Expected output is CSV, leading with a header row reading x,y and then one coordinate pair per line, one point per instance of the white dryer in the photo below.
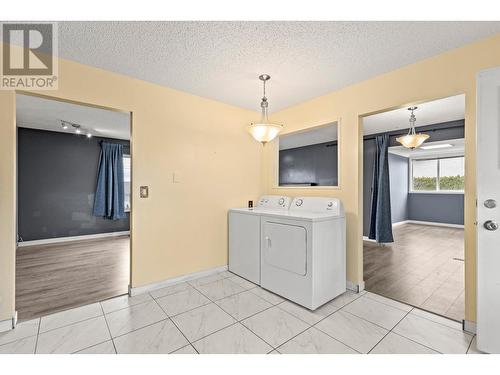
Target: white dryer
x,y
244,235
303,251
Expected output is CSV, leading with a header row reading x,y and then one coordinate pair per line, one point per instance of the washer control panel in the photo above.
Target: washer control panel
x,y
317,204
274,202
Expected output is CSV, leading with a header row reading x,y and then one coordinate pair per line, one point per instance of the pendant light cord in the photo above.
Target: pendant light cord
x,y
264,104
412,120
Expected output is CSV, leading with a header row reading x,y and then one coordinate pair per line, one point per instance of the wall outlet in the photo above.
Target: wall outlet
x,y
144,191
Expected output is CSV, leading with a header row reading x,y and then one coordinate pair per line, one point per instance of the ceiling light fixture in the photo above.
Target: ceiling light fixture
x,y
412,139
78,129
264,131
433,147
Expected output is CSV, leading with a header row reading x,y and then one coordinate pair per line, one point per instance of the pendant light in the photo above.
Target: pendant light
x,y
412,139
264,131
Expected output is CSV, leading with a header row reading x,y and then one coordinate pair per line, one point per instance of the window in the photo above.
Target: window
x,y
440,174
451,174
425,174
126,180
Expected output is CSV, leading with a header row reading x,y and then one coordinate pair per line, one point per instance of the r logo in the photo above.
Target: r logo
x,y
36,55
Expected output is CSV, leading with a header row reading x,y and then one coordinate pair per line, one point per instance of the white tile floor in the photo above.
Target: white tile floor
x,y
223,313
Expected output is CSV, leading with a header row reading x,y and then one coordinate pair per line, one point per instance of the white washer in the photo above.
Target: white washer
x,y
244,235
303,251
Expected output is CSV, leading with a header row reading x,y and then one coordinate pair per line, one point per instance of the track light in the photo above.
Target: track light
x,y
76,127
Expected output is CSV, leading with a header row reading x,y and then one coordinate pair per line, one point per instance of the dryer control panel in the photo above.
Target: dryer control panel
x,y
274,202
317,204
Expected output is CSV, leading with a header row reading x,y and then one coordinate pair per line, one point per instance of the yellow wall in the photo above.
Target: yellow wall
x,y
447,74
182,227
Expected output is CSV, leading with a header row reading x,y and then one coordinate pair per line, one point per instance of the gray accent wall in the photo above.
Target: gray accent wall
x,y
56,184
315,165
437,208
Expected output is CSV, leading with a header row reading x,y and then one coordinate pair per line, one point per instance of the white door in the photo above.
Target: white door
x,y
285,247
488,211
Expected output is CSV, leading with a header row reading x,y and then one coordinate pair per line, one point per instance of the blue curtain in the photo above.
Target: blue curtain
x,y
109,193
381,221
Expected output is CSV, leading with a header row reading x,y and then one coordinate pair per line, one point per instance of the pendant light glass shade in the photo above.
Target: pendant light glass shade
x,y
412,139
264,131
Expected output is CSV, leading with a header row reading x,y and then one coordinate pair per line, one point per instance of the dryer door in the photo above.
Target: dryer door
x,y
285,247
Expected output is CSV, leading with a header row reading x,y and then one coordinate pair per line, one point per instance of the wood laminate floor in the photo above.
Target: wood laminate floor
x,y
424,267
56,277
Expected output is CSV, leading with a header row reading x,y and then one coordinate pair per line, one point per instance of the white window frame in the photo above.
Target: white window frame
x,y
438,191
127,209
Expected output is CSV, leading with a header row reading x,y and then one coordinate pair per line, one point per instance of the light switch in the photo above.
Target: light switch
x,y
176,178
144,191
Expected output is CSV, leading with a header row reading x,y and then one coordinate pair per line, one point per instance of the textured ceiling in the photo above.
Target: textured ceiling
x,y
221,60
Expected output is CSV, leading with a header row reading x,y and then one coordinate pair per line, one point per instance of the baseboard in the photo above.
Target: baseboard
x,y
373,241
434,224
357,288
469,326
73,238
365,238
8,324
164,283
417,222
400,223
420,222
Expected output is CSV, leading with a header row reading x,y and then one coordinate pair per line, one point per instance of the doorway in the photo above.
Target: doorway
x,y
68,254
424,265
